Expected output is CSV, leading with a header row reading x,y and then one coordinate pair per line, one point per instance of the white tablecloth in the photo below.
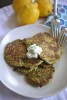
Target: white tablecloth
x,y
8,22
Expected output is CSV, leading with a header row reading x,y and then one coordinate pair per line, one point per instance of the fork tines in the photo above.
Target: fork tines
x,y
63,37
55,26
55,30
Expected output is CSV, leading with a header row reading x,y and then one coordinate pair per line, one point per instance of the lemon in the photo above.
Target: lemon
x,y
45,7
17,4
28,15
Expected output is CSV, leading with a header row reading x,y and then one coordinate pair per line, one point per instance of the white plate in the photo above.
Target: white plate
x,y
16,82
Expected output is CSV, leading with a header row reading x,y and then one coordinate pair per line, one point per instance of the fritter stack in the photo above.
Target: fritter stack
x,y
38,71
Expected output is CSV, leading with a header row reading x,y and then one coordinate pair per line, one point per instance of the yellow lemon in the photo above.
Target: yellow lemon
x,y
17,4
28,15
45,7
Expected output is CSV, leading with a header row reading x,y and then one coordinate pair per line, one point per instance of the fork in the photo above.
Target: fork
x,y
63,37
55,23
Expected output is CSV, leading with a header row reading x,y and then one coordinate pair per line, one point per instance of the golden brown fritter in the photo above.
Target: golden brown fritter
x,y
39,39
14,52
51,51
29,63
24,70
15,55
40,76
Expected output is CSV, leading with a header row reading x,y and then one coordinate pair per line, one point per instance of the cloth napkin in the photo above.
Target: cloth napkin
x,y
62,15
8,22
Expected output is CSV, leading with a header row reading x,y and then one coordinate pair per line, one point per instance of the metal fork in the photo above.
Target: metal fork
x,y
55,23
63,37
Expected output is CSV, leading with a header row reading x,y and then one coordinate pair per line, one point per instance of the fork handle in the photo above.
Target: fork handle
x,y
55,8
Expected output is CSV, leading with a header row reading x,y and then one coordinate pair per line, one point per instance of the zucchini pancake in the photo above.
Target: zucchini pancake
x,y
37,67
15,55
51,50
41,75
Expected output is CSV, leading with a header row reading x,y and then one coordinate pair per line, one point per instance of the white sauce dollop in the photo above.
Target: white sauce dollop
x,y
33,51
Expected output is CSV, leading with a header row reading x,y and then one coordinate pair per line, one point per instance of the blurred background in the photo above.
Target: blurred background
x,y
5,3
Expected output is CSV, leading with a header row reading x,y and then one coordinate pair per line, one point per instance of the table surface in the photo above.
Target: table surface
x,y
8,22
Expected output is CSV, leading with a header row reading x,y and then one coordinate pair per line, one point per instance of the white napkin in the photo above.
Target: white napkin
x,y
7,22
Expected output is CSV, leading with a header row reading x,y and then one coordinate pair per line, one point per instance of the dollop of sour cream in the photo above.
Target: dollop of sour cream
x,y
33,51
